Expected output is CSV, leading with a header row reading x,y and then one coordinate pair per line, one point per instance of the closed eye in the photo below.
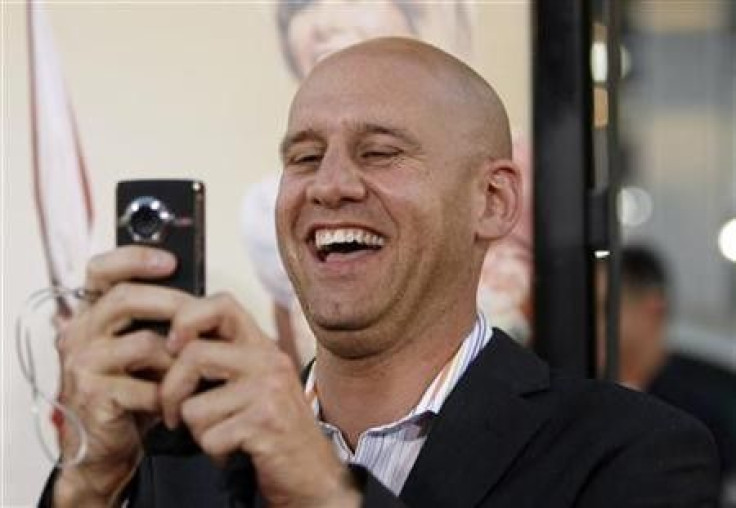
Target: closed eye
x,y
304,159
377,156
307,159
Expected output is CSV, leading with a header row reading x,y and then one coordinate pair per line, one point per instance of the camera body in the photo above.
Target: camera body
x,y
170,215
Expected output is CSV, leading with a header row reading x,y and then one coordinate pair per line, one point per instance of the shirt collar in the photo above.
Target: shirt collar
x,y
442,384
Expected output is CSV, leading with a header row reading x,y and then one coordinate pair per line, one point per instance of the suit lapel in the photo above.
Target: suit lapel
x,y
481,428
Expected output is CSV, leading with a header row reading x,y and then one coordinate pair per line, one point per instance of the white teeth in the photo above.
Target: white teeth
x,y
326,237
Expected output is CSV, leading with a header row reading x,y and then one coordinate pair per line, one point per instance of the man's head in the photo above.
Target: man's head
x,y
644,306
397,177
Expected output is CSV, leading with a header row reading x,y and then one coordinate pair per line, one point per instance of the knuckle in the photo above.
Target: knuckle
x,y
282,364
138,348
148,342
274,385
86,386
75,362
189,354
95,267
225,300
270,419
267,413
119,295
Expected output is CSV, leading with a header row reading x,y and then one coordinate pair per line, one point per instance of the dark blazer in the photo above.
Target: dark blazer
x,y
706,391
512,434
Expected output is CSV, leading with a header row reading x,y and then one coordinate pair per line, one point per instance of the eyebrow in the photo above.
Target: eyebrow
x,y
297,137
364,128
358,128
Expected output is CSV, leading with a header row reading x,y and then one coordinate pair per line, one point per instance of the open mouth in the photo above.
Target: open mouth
x,y
330,242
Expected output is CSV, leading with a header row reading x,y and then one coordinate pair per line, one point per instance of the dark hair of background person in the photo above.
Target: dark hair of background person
x,y
642,269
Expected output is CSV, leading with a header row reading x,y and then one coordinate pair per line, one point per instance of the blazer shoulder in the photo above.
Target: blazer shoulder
x,y
641,448
609,408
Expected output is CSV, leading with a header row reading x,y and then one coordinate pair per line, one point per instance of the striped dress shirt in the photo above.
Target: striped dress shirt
x,y
389,451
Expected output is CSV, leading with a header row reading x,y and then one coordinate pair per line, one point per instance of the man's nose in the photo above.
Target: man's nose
x,y
337,180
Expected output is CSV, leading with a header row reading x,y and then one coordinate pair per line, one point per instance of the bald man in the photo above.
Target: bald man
x,y
397,178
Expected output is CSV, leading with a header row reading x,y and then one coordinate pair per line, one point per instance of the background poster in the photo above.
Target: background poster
x,y
201,90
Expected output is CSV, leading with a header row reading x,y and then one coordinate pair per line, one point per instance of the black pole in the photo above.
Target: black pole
x,y
562,94
611,20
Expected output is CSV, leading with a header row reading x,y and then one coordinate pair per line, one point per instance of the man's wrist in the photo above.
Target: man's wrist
x,y
346,493
350,494
74,487
71,489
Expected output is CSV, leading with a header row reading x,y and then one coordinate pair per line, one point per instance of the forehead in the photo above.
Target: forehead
x,y
371,90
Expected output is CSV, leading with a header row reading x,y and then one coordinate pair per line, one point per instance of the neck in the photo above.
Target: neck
x,y
357,394
639,375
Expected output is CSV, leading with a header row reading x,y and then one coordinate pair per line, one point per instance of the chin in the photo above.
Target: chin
x,y
338,323
345,336
347,344
339,314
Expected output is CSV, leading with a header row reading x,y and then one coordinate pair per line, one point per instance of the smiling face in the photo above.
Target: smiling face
x,y
380,199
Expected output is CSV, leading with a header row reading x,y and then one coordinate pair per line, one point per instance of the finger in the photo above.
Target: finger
x,y
203,410
219,315
131,394
141,350
201,359
110,396
228,436
125,263
127,301
115,310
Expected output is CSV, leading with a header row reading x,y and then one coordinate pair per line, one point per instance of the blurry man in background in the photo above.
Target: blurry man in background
x,y
703,389
644,311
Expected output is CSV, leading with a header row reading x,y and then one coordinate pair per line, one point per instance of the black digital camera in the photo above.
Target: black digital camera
x,y
170,215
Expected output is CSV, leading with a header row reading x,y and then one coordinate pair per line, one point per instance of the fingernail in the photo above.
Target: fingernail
x,y
160,260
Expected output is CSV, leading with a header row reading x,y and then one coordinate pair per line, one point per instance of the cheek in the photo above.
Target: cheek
x,y
432,209
288,201
457,210
408,205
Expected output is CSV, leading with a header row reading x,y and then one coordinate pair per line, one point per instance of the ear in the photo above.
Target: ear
x,y
498,198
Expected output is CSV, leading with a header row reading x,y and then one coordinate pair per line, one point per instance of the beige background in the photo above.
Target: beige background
x,y
168,90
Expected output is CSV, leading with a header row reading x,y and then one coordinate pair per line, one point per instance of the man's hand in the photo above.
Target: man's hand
x,y
98,372
260,409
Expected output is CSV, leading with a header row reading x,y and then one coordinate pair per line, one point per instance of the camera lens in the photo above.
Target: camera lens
x,y
147,217
146,222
